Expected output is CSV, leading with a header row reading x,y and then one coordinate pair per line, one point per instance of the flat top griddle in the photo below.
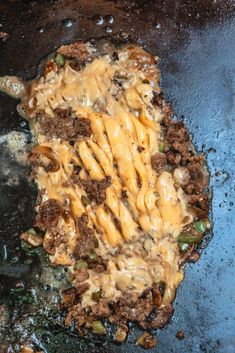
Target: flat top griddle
x,y
196,43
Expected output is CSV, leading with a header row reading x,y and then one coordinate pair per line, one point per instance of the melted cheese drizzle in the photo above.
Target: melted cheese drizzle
x,y
128,122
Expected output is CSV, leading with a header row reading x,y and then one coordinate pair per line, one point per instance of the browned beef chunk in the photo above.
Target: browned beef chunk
x,y
158,292
69,296
100,310
142,310
157,99
124,194
198,181
82,288
193,257
81,275
140,149
173,158
76,50
86,244
95,189
166,120
129,308
182,148
177,142
179,152
189,256
158,161
162,317
82,224
177,132
58,237
48,214
200,158
201,201
129,299
86,239
76,312
132,309
65,126
99,264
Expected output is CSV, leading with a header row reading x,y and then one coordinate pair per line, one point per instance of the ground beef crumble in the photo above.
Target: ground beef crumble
x,y
174,158
95,189
86,244
178,151
158,161
48,214
162,317
130,307
76,50
99,265
86,238
198,180
101,309
64,125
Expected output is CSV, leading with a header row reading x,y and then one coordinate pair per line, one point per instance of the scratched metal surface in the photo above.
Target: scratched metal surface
x,y
196,43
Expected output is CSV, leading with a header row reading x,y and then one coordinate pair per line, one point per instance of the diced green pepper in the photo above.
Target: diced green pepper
x,y
189,238
32,231
25,246
80,265
96,242
62,125
98,327
92,256
85,200
183,247
199,226
60,60
96,295
161,147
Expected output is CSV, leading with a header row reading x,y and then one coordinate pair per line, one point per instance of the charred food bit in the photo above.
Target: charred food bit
x,y
180,335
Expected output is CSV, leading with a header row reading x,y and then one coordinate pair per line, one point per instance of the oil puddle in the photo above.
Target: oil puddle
x,y
104,21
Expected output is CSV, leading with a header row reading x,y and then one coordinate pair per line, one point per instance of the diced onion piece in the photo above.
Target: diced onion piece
x,y
147,341
98,327
31,237
47,152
